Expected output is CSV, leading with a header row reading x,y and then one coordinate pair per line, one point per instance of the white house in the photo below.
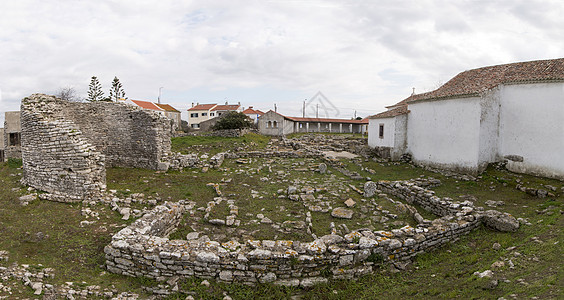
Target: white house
x,y
512,112
254,114
204,112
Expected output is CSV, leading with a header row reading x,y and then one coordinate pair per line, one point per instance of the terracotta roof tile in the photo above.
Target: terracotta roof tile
x,y
326,120
400,110
146,105
226,107
167,107
203,107
251,111
473,82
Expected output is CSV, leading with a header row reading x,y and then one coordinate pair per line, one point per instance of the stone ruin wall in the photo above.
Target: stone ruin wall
x,y
143,249
128,137
67,145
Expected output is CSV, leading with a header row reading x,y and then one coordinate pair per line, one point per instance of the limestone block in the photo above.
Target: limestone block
x,y
500,221
342,213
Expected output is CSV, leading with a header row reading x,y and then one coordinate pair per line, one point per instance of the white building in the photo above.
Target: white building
x,y
273,123
512,112
253,114
203,112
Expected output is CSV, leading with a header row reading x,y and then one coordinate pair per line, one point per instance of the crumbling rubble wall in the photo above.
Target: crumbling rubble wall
x,y
127,136
67,145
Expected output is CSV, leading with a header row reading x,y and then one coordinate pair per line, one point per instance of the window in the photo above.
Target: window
x,y
212,114
381,131
15,138
195,125
268,124
275,124
204,114
193,115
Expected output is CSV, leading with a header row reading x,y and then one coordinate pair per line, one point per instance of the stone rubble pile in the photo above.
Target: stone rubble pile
x,y
37,277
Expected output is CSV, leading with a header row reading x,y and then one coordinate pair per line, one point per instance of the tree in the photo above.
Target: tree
x,y
233,120
116,92
68,94
95,90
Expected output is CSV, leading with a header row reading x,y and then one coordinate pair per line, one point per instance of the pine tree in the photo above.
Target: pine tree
x,y
95,90
116,92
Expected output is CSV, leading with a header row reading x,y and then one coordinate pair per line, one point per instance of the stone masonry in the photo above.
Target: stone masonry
x,y
143,248
67,145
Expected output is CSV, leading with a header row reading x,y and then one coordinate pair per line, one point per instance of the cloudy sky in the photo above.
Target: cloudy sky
x,y
362,55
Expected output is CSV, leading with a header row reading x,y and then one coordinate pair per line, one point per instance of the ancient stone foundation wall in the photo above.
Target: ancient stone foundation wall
x,y
425,198
67,145
142,250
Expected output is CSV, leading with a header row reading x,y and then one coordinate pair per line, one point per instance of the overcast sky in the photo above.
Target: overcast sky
x,y
362,55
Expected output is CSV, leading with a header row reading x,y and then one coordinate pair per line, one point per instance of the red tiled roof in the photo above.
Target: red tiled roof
x,y
226,107
473,82
146,105
322,120
413,97
400,110
167,107
251,111
203,107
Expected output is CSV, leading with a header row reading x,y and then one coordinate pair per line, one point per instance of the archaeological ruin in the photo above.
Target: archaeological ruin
x,y
66,146
145,249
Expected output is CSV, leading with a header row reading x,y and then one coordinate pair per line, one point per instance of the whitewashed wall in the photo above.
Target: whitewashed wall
x,y
445,133
532,126
489,128
374,139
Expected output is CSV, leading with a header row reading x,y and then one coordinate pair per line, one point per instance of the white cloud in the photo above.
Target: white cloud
x,y
361,54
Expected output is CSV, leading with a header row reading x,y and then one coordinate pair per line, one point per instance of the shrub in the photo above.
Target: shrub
x,y
233,120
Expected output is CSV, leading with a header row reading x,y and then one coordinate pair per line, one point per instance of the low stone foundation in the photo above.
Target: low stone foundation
x,y
143,249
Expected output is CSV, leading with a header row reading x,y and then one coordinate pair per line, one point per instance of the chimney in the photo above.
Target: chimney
x,y
197,103
239,103
192,104
226,102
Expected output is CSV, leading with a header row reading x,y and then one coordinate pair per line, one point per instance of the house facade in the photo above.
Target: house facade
x,y
253,114
12,135
203,112
511,112
387,132
273,123
171,113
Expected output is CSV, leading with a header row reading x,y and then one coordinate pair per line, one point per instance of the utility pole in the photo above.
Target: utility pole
x,y
160,94
355,113
275,108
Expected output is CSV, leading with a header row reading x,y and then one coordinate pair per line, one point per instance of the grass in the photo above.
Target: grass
x,y
212,144
76,253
